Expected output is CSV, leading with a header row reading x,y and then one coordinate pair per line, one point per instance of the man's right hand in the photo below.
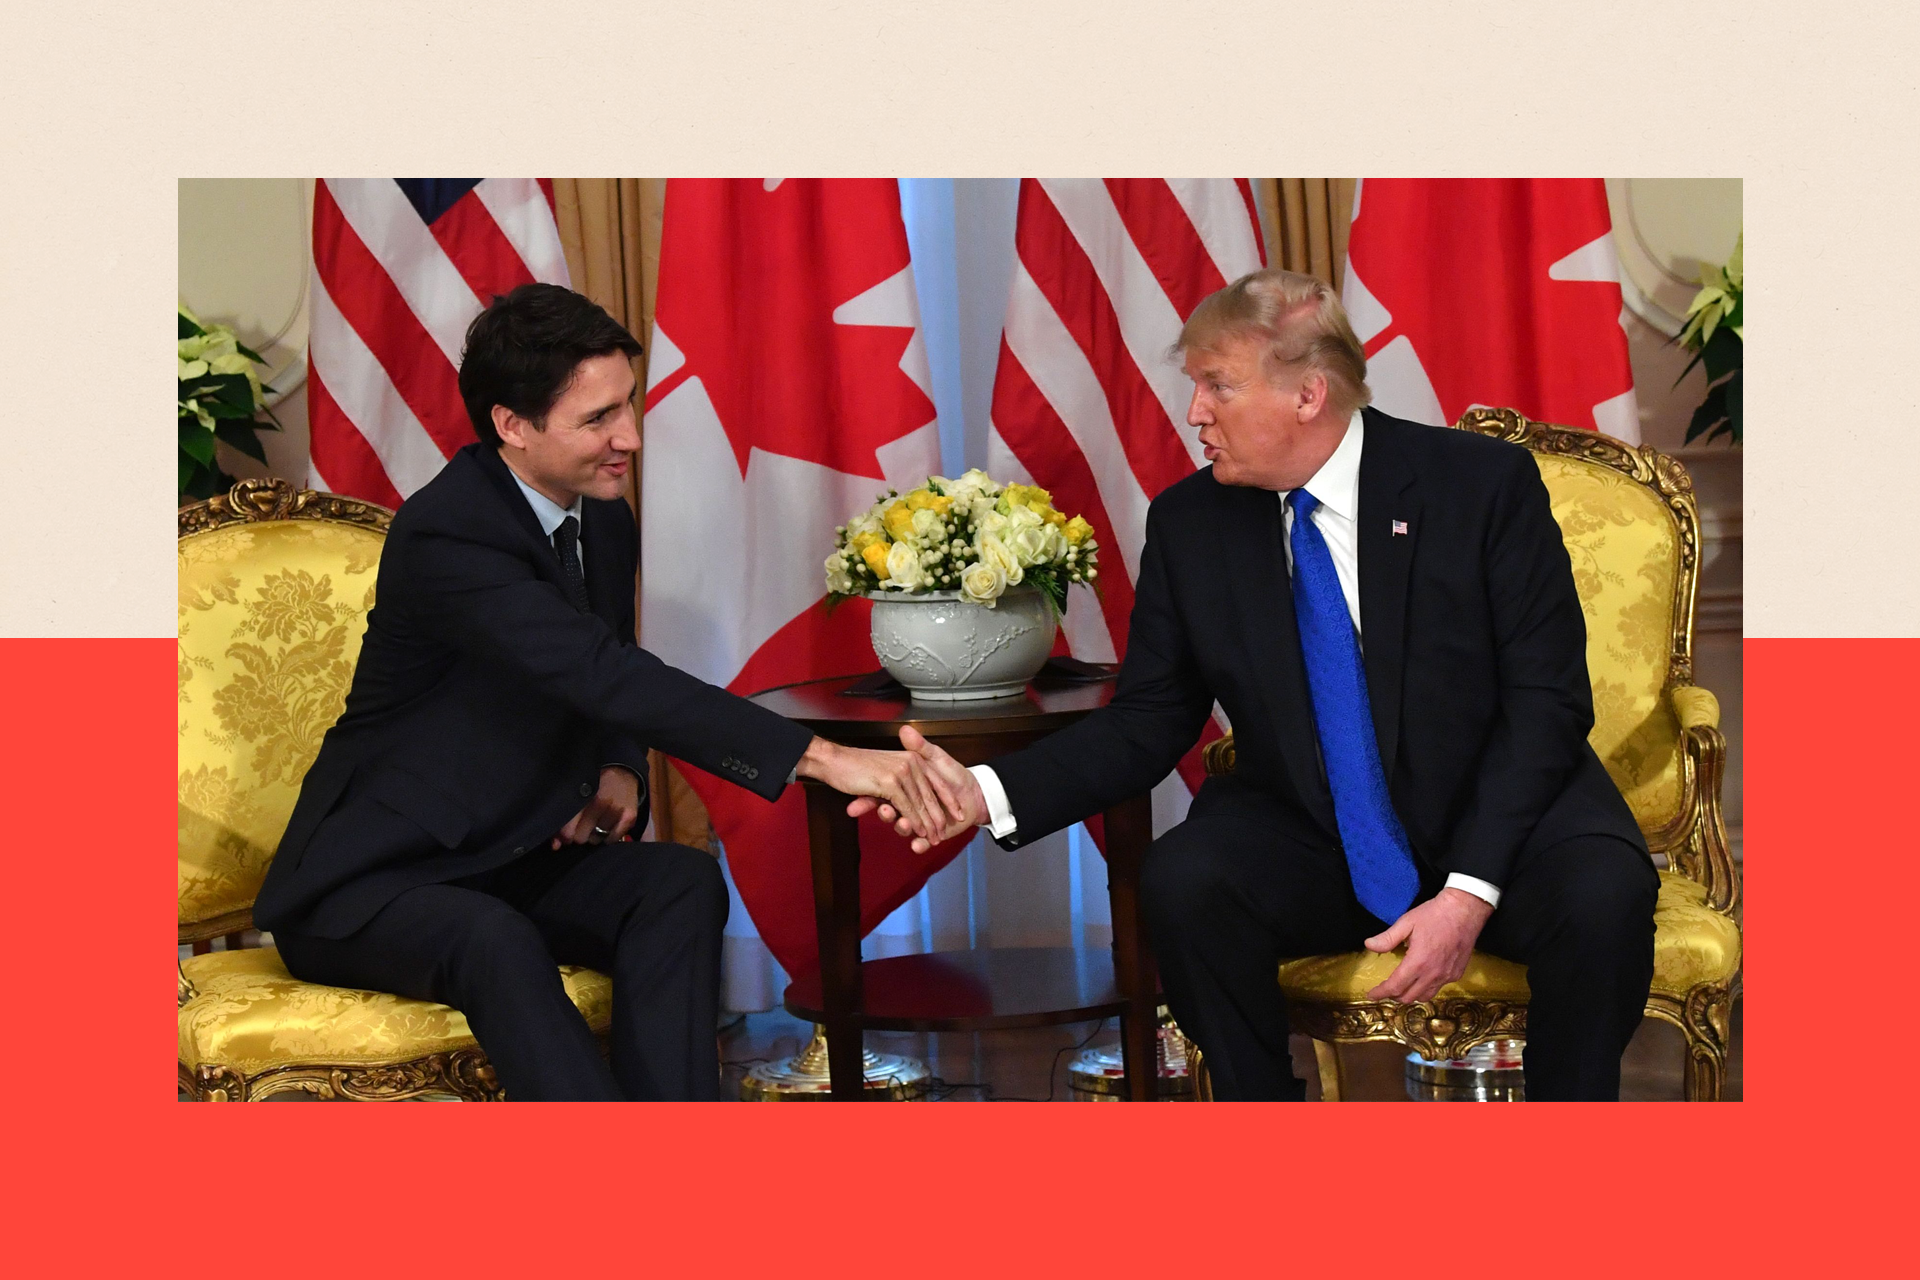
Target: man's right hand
x,y
900,783
964,807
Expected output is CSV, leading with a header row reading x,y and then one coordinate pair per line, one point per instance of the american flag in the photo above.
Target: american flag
x,y
1087,402
400,268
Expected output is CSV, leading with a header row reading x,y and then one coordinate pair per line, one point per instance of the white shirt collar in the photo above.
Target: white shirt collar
x,y
545,510
1337,483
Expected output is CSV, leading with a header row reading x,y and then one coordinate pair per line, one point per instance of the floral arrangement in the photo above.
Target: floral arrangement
x,y
1715,334
971,536
220,396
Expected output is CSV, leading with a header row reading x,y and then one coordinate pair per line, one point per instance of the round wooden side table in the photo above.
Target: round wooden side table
x,y
980,989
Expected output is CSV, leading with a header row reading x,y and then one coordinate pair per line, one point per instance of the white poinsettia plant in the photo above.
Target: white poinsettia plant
x,y
221,398
971,536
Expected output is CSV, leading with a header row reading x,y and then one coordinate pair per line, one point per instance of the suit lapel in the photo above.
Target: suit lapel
x,y
1388,500
1273,636
495,469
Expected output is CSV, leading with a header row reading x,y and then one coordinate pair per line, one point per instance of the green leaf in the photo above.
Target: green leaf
x,y
187,467
1722,354
238,435
1713,322
1733,404
234,389
196,442
1736,264
1737,316
188,329
248,352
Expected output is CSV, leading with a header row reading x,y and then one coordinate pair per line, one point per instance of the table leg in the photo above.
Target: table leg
x,y
1129,830
833,840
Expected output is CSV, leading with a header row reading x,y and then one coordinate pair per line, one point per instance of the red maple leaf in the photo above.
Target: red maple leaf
x,y
749,280
1462,266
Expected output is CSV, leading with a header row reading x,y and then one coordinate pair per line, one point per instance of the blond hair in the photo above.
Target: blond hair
x,y
1302,321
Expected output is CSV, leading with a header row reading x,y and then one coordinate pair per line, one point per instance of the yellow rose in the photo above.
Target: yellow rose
x,y
875,554
1077,530
928,500
859,542
1055,518
899,520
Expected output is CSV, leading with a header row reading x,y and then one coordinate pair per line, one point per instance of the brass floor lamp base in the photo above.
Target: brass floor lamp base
x,y
803,1077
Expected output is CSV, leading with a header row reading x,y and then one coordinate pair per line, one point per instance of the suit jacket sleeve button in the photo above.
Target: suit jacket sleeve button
x,y
586,788
752,774
520,851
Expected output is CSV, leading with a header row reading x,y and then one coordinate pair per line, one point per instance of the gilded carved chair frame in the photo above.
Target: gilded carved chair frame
x,y
1694,842
463,1073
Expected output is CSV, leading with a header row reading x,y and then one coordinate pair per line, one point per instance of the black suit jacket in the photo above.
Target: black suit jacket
x,y
484,704
1473,640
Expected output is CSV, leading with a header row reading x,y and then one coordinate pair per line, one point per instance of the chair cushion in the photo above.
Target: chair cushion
x,y
271,616
1692,944
251,1014
1625,549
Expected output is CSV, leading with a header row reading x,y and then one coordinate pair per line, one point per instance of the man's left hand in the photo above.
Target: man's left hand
x,y
611,813
1439,934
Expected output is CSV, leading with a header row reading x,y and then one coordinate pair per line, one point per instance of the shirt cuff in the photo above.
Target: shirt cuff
x,y
999,812
1480,889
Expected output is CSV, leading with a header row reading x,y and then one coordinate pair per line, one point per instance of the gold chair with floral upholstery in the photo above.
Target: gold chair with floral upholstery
x,y
275,585
1632,529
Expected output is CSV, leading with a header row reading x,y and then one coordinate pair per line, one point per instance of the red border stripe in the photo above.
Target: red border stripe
x,y
373,305
1065,275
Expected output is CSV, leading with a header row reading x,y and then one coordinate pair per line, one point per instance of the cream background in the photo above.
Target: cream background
x,y
104,117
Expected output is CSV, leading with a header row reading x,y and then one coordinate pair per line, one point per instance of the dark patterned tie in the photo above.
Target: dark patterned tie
x,y
1379,858
566,540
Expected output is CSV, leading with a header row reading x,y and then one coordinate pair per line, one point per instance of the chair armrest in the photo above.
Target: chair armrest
x,y
1706,857
1696,707
187,990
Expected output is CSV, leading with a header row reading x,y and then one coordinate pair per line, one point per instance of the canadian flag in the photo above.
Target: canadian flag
x,y
1501,292
787,386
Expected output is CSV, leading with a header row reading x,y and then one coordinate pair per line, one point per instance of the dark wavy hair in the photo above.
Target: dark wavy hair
x,y
522,350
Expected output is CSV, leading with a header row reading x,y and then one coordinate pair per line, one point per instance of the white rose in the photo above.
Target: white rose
x,y
982,584
1028,544
928,525
990,524
868,523
1024,518
903,568
839,580
997,554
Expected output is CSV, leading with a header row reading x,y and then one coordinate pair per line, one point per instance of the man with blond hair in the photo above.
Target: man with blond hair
x,y
1387,615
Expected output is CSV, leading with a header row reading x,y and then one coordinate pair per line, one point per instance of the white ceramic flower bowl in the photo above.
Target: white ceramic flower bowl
x,y
944,649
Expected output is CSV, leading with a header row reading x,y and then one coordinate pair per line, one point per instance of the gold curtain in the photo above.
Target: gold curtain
x,y
610,231
1306,222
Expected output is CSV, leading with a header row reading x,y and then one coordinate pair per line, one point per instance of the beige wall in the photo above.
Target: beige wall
x,y
243,262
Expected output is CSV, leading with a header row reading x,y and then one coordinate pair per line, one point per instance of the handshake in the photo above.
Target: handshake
x,y
924,792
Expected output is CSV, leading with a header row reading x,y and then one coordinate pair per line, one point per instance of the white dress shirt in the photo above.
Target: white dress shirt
x,y
1337,487
550,514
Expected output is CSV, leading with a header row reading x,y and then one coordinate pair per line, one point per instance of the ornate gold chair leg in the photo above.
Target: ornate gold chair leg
x,y
1707,1022
1326,1056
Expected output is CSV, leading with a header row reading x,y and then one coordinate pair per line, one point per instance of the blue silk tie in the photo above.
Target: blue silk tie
x,y
1379,858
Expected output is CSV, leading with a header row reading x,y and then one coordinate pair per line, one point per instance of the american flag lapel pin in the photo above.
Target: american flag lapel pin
x,y
1399,527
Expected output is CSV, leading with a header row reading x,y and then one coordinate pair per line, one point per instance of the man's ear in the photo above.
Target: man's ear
x,y
1311,399
510,426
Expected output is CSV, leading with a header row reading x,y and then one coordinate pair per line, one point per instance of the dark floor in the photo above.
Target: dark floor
x,y
1033,1065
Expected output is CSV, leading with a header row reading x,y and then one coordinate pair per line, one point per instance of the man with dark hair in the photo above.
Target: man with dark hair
x,y
1387,614
465,827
